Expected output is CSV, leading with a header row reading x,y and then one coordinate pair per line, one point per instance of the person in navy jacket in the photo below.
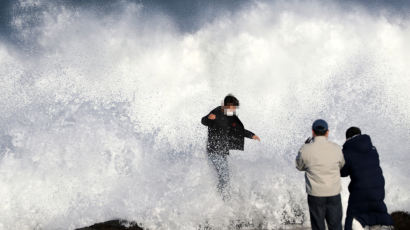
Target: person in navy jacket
x,y
366,205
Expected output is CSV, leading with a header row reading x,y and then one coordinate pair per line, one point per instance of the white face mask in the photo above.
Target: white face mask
x,y
229,112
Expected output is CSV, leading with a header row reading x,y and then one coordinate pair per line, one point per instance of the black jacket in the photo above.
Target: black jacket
x,y
225,132
366,188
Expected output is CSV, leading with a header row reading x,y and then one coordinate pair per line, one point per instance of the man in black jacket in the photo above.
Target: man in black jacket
x,y
225,132
366,206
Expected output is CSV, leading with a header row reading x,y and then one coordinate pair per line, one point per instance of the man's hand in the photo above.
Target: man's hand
x,y
211,116
256,138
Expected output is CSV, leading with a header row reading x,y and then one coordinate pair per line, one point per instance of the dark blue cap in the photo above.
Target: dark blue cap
x,y
320,125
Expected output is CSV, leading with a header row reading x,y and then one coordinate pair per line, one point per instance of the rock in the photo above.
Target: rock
x,y
114,225
401,220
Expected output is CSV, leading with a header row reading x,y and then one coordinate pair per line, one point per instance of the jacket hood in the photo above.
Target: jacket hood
x,y
360,143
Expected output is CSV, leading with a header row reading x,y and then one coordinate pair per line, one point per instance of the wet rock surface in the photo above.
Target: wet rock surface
x,y
113,225
401,222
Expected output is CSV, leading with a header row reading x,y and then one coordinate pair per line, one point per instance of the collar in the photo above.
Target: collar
x,y
353,137
320,138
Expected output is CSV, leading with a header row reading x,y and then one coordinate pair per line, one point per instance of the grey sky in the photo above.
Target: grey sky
x,y
189,15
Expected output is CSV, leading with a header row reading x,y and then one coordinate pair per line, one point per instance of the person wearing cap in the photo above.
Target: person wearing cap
x,y
366,205
322,160
225,132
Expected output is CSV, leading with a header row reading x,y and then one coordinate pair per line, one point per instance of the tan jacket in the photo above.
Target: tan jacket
x,y
322,161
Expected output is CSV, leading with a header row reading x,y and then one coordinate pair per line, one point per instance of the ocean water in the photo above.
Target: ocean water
x,y
100,111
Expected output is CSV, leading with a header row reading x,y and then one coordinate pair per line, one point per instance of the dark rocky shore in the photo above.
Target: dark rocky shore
x,y
114,225
401,222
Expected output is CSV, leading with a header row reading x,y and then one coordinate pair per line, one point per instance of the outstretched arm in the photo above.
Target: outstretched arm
x,y
208,120
251,135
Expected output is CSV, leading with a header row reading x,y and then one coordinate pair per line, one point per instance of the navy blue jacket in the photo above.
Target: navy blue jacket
x,y
366,188
225,132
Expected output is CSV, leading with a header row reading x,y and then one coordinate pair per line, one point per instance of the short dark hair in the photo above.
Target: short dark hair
x,y
231,100
321,131
352,131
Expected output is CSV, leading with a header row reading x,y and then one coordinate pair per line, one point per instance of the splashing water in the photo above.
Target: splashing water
x,y
100,113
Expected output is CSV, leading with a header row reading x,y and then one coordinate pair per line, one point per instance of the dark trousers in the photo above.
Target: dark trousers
x,y
219,161
325,208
